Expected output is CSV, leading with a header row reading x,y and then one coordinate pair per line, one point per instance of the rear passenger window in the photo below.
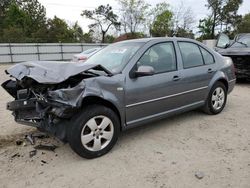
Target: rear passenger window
x,y
208,58
191,54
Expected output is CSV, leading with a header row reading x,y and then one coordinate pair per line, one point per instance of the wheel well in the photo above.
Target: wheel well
x,y
97,100
224,82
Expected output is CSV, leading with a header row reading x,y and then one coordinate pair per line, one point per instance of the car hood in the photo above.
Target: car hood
x,y
50,72
234,51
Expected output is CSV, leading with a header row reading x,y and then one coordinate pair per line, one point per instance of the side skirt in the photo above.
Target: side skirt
x,y
163,115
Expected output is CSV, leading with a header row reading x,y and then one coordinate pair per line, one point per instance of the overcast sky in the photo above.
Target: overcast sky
x,y
70,10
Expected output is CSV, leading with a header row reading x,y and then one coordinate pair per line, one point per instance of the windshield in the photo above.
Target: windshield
x,y
242,42
115,56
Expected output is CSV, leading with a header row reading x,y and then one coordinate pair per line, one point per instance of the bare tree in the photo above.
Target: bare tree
x,y
133,14
183,18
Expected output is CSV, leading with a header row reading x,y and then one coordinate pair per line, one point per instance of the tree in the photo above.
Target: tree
x,y
244,26
205,28
223,12
183,21
14,24
88,37
162,25
103,18
28,16
156,14
77,32
59,31
229,18
133,15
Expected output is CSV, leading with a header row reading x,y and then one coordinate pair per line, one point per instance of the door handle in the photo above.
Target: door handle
x,y
210,70
176,78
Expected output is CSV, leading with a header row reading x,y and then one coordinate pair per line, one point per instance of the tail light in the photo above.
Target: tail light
x,y
82,58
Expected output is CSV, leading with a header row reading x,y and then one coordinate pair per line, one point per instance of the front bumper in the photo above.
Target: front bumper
x,y
51,117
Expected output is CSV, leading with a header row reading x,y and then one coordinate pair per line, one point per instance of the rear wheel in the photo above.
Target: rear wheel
x,y
217,99
94,132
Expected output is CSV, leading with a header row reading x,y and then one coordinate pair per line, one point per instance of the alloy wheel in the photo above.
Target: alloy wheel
x,y
97,133
218,98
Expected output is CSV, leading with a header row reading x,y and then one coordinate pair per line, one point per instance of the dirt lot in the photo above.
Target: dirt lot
x,y
163,154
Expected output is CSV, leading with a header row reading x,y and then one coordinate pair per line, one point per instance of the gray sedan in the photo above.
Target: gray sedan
x,y
124,85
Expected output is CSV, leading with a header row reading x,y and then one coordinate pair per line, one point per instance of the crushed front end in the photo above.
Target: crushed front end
x,y
242,66
47,107
47,95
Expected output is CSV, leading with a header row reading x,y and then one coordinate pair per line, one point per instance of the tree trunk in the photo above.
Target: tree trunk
x,y
213,27
103,36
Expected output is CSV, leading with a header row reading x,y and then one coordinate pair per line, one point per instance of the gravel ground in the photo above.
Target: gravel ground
x,y
163,154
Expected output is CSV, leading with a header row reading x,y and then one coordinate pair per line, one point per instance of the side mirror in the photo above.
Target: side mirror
x,y
223,41
144,71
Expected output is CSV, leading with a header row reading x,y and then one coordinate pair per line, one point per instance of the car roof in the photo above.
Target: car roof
x,y
157,39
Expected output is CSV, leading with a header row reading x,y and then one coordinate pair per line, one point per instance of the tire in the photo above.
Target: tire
x,y
213,99
94,131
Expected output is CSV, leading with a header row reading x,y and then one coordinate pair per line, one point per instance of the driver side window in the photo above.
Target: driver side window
x,y
161,57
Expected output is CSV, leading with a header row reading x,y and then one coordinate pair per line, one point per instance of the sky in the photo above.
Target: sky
x,y
70,10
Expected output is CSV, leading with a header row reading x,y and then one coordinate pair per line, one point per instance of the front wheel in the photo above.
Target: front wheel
x,y
94,132
217,99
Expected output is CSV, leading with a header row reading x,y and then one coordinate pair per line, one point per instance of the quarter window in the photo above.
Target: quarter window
x,y
161,57
191,54
208,58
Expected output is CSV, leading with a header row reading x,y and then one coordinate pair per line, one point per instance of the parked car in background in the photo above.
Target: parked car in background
x,y
82,57
238,50
126,84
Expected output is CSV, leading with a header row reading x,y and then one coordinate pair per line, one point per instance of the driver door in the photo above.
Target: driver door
x,y
149,97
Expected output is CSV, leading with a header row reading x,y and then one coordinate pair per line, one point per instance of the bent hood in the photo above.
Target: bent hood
x,y
50,72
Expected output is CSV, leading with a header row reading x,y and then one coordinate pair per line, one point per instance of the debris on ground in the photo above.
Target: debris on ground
x,y
49,147
40,135
43,162
199,175
19,142
33,153
30,139
15,155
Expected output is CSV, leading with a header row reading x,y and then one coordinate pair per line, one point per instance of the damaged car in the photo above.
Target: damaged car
x,y
126,84
238,50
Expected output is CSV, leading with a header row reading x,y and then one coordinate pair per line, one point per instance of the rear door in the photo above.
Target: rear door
x,y
198,69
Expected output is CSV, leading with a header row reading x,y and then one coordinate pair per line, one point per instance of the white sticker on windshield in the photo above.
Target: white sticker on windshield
x,y
118,51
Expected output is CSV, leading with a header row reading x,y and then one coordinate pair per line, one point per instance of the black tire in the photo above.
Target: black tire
x,y
78,123
208,108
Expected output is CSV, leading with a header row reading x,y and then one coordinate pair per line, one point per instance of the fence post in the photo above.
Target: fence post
x,y
61,51
38,52
11,55
82,47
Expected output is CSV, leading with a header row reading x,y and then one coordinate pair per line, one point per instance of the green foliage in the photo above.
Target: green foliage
x,y
58,31
162,24
104,18
27,17
244,25
224,14
205,28
25,21
181,32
